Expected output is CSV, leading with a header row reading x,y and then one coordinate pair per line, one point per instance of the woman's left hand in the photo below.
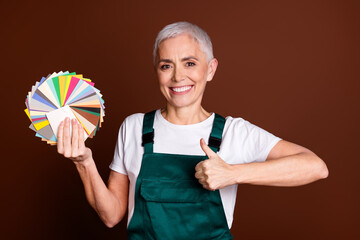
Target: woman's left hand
x,y
213,173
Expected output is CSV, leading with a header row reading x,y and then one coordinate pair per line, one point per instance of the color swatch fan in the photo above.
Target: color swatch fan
x,y
61,95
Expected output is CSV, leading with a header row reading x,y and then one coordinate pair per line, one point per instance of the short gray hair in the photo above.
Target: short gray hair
x,y
174,29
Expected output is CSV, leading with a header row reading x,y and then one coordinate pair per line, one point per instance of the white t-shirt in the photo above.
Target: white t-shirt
x,y
242,142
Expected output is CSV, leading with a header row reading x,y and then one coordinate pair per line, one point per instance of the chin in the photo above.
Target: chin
x,y
180,104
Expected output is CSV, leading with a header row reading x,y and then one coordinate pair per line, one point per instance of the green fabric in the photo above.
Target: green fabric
x,y
217,129
148,128
170,203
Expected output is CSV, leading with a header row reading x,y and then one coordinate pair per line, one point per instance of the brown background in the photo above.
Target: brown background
x,y
290,67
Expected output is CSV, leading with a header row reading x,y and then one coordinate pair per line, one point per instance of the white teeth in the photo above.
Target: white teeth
x,y
181,89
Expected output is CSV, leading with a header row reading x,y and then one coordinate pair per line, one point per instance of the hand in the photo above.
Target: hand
x,y
72,147
213,173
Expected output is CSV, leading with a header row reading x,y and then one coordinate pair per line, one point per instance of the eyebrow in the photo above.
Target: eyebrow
x,y
183,59
188,58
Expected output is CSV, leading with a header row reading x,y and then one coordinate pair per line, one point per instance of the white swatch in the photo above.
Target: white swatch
x,y
55,117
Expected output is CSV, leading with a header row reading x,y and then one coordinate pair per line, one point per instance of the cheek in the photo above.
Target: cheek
x,y
198,76
161,81
163,78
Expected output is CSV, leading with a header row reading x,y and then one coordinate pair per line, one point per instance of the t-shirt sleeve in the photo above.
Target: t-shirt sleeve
x,y
259,142
118,164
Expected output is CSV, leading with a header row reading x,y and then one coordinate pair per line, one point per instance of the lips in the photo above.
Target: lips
x,y
181,90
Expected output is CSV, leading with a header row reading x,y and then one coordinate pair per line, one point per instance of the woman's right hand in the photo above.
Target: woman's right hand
x,y
109,202
73,147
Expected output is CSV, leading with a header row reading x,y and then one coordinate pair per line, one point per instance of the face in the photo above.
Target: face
x,y
183,71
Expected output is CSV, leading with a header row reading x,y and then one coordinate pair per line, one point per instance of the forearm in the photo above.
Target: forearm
x,y
98,195
293,170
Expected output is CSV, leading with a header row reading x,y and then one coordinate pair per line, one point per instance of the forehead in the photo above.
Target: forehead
x,y
180,46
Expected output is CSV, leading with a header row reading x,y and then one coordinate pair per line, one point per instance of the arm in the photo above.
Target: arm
x,y
288,164
109,202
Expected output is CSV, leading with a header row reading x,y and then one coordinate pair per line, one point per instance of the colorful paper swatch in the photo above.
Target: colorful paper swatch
x,y
61,95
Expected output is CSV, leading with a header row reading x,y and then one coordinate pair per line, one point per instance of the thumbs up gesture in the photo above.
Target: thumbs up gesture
x,y
213,173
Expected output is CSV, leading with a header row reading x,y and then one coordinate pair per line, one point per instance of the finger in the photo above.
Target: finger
x,y
67,143
81,136
74,139
60,144
205,185
198,166
207,150
202,181
199,175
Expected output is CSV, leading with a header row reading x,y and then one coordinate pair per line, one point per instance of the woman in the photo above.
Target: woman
x,y
176,169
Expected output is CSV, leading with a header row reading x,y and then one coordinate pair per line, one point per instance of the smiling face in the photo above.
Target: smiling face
x,y
183,71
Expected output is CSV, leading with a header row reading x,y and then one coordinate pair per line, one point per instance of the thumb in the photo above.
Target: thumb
x,y
210,153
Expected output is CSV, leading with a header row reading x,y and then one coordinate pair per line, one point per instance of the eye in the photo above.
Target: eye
x,y
190,64
165,66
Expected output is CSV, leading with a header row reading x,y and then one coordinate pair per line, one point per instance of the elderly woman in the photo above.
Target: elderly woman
x,y
176,169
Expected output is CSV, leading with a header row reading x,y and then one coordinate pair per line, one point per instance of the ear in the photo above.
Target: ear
x,y
212,69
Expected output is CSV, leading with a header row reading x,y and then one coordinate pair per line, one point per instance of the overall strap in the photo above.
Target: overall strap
x,y
216,133
148,132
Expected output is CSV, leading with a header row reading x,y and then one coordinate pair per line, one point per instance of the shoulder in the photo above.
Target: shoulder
x,y
134,119
131,124
238,124
239,127
253,142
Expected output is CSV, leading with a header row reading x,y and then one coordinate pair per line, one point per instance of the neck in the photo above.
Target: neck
x,y
184,115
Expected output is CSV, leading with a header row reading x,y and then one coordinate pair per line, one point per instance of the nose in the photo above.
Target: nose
x,y
179,74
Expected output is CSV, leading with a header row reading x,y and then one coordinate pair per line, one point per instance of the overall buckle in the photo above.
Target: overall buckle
x,y
214,142
148,138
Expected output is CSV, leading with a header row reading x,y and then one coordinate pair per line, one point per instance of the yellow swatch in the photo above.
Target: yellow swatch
x,y
67,84
28,114
62,88
40,125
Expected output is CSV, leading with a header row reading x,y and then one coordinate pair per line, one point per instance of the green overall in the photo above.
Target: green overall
x,y
170,203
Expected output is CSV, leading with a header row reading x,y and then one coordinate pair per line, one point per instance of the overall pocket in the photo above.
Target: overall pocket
x,y
180,209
